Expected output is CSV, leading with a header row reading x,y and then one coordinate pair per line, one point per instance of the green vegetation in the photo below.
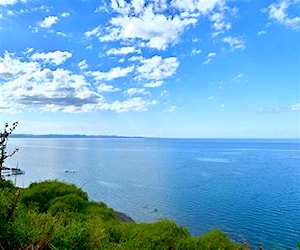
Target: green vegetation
x,y
56,215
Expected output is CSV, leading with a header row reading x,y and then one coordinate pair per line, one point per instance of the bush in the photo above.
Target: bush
x,y
6,184
41,195
29,229
55,215
67,203
160,235
74,235
214,240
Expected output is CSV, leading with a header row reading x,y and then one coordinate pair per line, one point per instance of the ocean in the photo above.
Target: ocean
x,y
248,188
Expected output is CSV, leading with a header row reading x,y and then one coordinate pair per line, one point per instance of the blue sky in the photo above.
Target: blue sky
x,y
165,68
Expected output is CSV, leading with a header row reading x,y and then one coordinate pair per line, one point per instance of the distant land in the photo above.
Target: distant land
x,y
66,136
69,136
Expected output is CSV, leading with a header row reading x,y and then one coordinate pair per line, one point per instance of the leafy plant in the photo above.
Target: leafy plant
x,y
56,215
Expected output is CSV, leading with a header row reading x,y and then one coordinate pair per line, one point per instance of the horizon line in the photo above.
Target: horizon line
x,y
54,135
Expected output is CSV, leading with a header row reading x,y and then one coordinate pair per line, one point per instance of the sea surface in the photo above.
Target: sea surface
x,y
250,189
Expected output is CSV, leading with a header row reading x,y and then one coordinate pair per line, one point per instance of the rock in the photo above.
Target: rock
x,y
123,217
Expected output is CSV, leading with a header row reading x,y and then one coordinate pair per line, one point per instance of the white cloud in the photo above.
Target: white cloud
x,y
57,57
123,51
261,32
134,104
114,73
157,68
136,91
295,107
219,23
277,110
10,2
170,109
209,57
279,12
235,43
29,85
160,31
202,6
48,22
154,84
238,78
195,51
93,32
163,28
83,65
135,58
28,51
61,34
11,68
65,14
164,93
106,88
138,6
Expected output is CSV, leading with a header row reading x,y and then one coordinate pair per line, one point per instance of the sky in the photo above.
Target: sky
x,y
159,68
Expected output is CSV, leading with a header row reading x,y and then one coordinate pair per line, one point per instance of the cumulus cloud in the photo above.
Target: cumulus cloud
x,y
83,65
48,22
65,14
123,51
135,104
113,73
195,51
279,12
153,84
51,90
219,23
10,2
93,32
56,57
30,84
162,29
106,88
136,91
11,68
235,43
202,6
157,68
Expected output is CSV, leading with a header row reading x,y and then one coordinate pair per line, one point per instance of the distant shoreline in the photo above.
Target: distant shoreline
x,y
64,136
70,136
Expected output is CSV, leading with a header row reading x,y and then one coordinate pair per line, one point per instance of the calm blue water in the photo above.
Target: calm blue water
x,y
250,189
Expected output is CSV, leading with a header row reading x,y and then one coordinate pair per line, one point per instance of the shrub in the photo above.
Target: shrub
x,y
67,203
160,235
40,195
29,229
55,215
74,235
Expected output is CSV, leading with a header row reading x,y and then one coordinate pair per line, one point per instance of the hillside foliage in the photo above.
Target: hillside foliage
x,y
56,215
